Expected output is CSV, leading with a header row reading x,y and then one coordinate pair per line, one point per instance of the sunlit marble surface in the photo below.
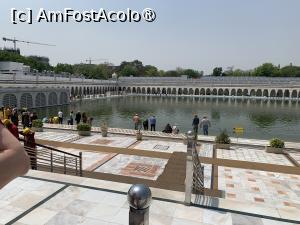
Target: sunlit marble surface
x,y
253,155
135,166
57,136
21,194
111,140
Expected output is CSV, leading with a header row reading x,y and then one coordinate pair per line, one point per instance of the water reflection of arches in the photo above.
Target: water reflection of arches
x,y
263,120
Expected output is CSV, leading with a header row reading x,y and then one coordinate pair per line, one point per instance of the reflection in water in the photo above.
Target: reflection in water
x,y
263,120
260,118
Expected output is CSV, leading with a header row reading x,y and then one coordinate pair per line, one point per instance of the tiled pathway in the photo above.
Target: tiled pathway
x,y
259,187
21,194
253,155
57,136
91,206
111,140
134,166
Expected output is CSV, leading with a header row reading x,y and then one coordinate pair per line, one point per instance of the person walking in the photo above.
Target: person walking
x,y
60,117
152,122
78,117
136,121
71,118
146,124
195,124
205,123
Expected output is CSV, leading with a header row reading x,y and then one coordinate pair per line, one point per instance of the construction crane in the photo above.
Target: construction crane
x,y
93,60
27,42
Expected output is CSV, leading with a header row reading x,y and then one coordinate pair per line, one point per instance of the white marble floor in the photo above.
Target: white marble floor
x,y
135,166
21,194
270,189
76,205
253,155
111,141
57,136
161,146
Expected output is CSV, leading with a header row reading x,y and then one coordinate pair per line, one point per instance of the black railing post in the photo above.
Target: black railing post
x,y
80,164
76,166
65,165
51,161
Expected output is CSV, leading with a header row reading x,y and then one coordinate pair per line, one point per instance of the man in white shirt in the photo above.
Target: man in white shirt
x,y
60,117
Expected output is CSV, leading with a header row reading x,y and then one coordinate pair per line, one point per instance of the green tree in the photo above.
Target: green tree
x,y
217,71
266,70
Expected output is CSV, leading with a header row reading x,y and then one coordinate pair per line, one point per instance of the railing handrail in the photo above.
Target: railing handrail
x,y
52,149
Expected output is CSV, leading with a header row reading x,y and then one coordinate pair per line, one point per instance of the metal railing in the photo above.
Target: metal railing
x,y
194,180
47,158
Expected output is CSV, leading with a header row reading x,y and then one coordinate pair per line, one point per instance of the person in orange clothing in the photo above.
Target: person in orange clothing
x,y
11,127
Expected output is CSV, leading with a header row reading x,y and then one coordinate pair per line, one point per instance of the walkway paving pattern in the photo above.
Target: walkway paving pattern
x,y
276,194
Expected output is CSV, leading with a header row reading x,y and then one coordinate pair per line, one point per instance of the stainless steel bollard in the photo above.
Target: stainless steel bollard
x,y
139,198
189,168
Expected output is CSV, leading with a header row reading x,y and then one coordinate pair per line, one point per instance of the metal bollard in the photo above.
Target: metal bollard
x,y
189,168
139,198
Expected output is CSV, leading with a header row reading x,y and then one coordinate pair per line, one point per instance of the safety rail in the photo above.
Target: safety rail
x,y
194,178
47,158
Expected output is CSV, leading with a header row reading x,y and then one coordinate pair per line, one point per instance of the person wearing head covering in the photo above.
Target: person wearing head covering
x,y
168,129
13,129
195,124
30,146
15,117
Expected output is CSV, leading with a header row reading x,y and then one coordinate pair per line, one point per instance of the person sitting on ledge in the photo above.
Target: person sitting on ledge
x,y
14,161
168,129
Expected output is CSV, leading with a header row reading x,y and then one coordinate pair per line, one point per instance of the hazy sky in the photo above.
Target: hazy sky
x,y
199,34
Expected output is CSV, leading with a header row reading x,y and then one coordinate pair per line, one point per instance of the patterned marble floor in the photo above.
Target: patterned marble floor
x,y
111,141
77,205
135,166
57,136
21,194
259,187
253,155
161,146
90,160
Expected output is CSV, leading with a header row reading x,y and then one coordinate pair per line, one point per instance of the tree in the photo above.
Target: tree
x,y
150,71
217,71
266,70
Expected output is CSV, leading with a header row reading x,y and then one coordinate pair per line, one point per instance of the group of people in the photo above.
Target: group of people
x,y
204,124
138,122
79,118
